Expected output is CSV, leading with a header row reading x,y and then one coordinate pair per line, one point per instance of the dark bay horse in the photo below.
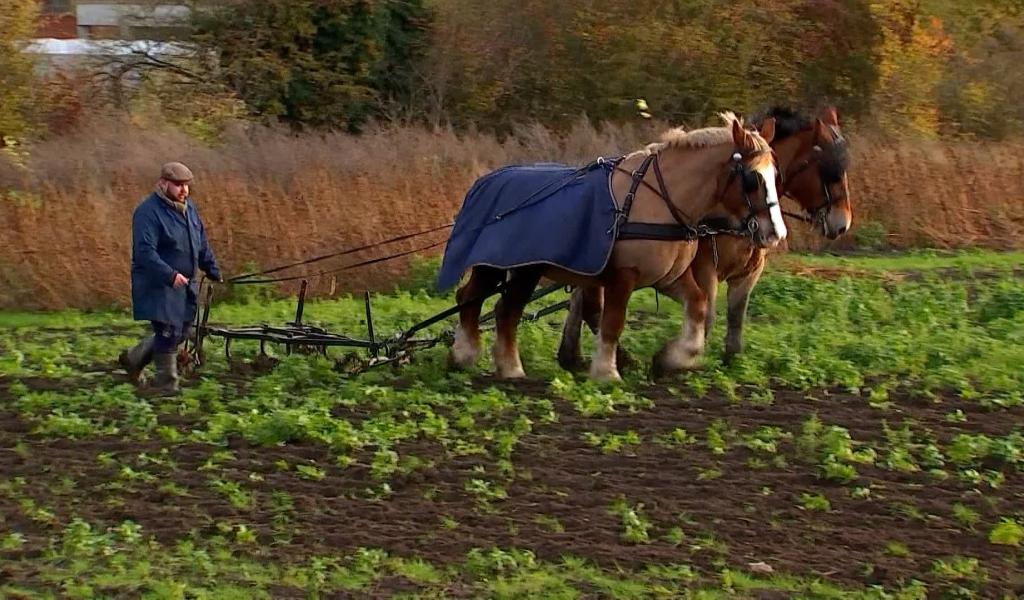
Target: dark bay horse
x,y
697,179
813,159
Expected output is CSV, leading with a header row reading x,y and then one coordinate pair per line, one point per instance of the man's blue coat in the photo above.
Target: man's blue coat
x,y
165,242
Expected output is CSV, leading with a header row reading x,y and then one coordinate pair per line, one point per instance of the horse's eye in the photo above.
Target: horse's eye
x,y
750,181
830,173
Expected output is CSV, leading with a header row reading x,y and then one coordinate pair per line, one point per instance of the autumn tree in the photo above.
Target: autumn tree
x,y
980,90
319,63
506,61
17,22
911,58
837,40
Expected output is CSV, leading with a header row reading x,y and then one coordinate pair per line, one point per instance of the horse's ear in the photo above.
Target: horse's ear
x,y
739,135
768,129
830,116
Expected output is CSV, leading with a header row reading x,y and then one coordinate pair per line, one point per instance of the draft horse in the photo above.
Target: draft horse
x,y
813,159
701,180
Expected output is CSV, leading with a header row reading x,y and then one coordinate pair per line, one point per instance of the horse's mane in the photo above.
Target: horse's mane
x,y
706,137
788,121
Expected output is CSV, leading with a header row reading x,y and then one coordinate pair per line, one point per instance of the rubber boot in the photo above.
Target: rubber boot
x,y
166,380
135,359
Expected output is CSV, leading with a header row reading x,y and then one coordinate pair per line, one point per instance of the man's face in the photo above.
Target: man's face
x,y
175,191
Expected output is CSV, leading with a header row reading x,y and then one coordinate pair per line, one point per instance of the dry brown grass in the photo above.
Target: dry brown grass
x,y
269,197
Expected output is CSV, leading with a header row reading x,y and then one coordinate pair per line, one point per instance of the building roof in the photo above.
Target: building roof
x,y
55,46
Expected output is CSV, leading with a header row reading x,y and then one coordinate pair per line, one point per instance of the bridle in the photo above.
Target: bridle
x,y
749,181
682,229
820,213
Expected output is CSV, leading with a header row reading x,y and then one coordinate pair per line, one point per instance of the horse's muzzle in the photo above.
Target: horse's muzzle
x,y
835,224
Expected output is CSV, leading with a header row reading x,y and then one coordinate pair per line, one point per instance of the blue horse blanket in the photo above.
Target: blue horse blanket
x,y
534,214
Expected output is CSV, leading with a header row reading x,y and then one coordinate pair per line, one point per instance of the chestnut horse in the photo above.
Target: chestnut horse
x,y
696,173
813,159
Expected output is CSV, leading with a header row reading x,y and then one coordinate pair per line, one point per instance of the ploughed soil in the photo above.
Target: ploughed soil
x,y
730,509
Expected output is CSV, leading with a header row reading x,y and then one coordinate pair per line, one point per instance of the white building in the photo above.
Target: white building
x,y
79,32
130,21
113,19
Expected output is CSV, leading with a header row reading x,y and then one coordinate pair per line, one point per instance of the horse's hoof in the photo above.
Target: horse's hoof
x,y
464,351
513,374
571,363
664,366
455,364
603,375
733,347
659,372
623,359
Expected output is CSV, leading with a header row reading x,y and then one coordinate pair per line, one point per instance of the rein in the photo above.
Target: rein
x,y
681,230
798,216
817,215
251,278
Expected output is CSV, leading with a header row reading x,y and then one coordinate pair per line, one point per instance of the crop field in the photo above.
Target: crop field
x,y
869,443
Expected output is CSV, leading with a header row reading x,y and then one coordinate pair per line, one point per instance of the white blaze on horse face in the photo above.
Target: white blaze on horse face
x,y
772,198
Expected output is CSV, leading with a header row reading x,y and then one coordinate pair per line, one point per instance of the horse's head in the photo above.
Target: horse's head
x,y
748,192
816,177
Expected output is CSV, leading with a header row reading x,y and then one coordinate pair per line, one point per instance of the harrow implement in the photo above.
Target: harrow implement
x,y
299,336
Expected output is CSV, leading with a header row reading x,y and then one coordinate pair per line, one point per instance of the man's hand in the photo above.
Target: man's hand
x,y
179,281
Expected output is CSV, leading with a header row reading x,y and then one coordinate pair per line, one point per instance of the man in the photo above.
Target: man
x,y
169,247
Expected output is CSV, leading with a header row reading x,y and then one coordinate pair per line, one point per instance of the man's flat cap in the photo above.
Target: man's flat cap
x,y
176,172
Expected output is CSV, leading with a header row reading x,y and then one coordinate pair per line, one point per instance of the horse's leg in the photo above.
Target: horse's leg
x,y
507,313
683,351
584,306
569,356
739,297
613,320
705,274
466,349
